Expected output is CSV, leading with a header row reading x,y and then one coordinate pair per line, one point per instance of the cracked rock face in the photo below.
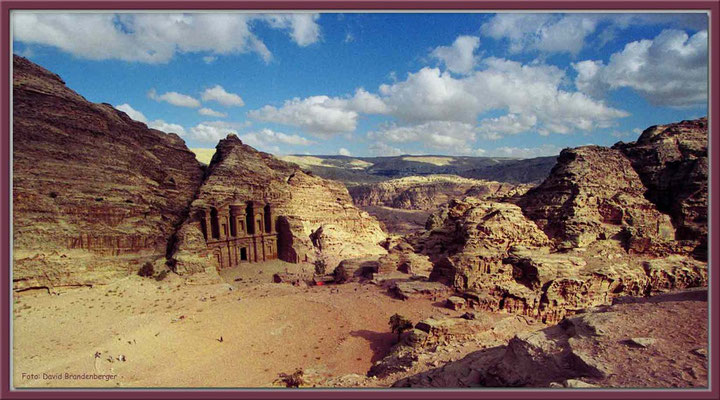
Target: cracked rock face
x,y
672,162
314,215
584,236
95,193
594,193
603,347
428,192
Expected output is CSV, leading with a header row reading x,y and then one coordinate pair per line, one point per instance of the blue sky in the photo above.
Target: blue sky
x,y
483,84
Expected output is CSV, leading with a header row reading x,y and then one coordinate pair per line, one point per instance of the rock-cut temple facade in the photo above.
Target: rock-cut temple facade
x,y
240,233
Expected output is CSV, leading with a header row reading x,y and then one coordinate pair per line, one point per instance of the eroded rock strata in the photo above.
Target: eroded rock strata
x,y
498,260
427,192
95,193
603,347
590,232
313,217
672,162
594,193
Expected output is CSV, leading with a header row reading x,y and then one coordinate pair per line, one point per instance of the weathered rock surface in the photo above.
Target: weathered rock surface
x,y
314,216
424,192
470,238
498,260
95,193
402,257
594,193
591,349
403,205
442,335
354,269
672,162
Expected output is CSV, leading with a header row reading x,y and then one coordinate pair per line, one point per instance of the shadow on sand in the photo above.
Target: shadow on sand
x,y
380,342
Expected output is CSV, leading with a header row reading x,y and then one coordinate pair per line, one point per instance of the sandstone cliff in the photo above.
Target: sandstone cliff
x,y
313,216
590,232
652,193
594,193
672,162
95,194
425,192
498,260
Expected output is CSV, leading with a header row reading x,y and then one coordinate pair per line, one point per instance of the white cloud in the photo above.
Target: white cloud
x,y
132,113
209,59
531,91
211,113
510,124
364,102
570,33
211,132
167,127
156,38
544,32
525,152
156,124
317,115
344,152
323,116
445,136
175,98
431,95
218,93
459,57
670,70
531,95
268,140
303,28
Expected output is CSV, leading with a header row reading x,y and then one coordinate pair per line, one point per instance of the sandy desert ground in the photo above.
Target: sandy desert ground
x,y
138,332
169,331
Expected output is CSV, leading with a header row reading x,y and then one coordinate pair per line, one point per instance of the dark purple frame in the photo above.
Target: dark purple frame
x,y
713,6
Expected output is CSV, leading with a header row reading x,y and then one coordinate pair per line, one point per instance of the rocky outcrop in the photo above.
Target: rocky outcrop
x,y
314,217
498,260
425,192
603,347
95,193
672,162
469,238
594,193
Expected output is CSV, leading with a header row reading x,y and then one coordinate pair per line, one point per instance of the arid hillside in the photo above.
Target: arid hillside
x,y
364,170
98,195
95,194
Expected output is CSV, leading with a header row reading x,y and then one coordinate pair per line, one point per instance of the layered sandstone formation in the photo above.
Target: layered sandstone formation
x,y
604,347
593,193
590,232
498,260
95,194
314,217
672,162
424,192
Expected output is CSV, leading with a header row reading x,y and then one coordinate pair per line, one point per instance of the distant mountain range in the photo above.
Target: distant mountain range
x,y
361,170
